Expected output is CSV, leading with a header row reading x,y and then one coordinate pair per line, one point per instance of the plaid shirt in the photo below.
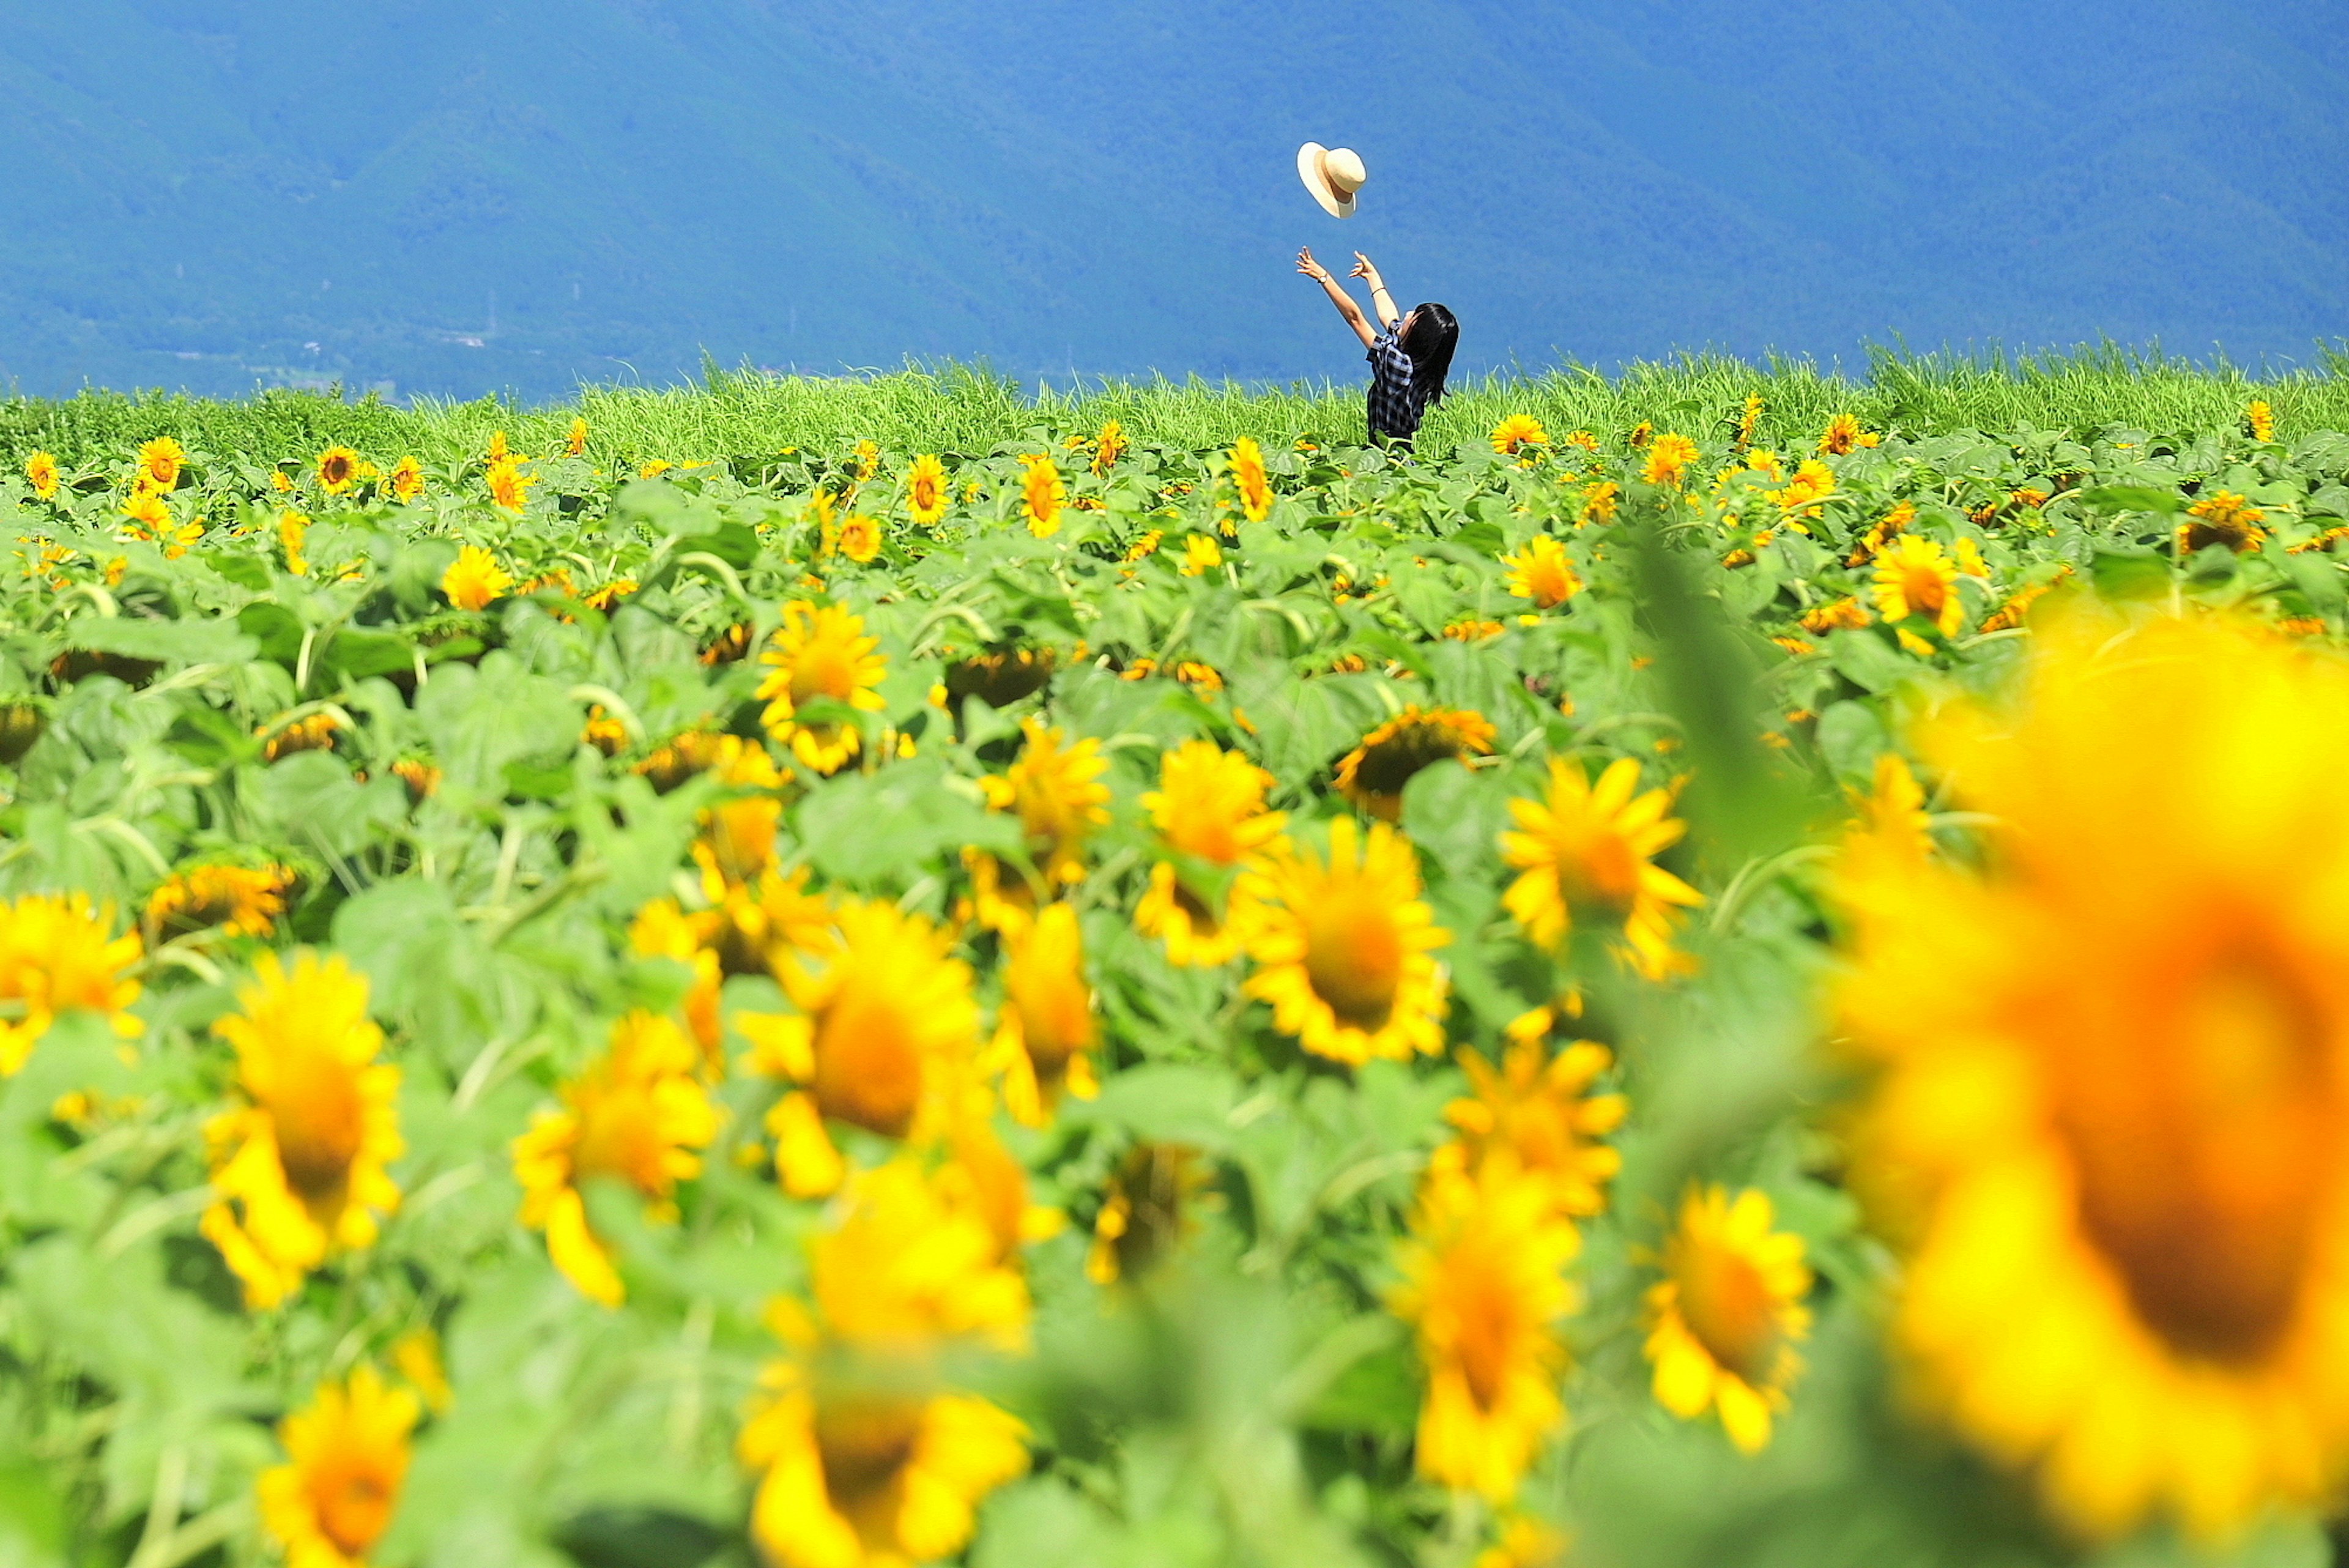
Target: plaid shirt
x,y
1395,407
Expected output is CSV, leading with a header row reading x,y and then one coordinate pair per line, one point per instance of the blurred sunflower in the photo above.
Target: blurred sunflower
x,y
1670,457
1538,1110
2112,1117
1041,494
820,653
244,901
574,440
1891,819
41,473
913,1261
1342,947
474,578
1249,476
885,1032
1373,774
509,485
1150,1208
927,491
1055,789
2260,418
638,1114
1748,419
1484,1287
292,531
1045,1034
1724,1320
1542,573
882,1477
1516,433
859,538
299,1171
2222,519
347,1457
160,462
1208,807
406,479
1914,577
1109,446
149,513
337,466
1844,436
54,957
1201,555
736,841
1587,852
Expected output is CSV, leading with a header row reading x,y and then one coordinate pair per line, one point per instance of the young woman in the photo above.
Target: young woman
x,y
1410,355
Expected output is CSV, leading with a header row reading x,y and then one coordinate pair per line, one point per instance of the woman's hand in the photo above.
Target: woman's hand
x,y
1311,268
1363,268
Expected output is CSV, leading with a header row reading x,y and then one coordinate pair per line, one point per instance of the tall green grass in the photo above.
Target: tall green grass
x,y
960,408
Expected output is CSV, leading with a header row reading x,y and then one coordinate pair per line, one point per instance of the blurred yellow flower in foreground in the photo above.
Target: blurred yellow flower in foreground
x,y
1343,947
348,1456
1484,1287
1542,573
1208,809
1045,1033
1248,474
2113,1109
638,1114
1669,459
1538,1111
244,901
1055,788
299,1171
1723,1319
56,955
1916,576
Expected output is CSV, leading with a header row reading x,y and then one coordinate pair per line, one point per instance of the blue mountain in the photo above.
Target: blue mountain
x,y
456,196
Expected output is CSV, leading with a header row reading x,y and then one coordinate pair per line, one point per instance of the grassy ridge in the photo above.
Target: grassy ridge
x,y
958,407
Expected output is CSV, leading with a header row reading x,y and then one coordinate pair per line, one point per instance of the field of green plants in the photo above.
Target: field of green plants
x,y
1723,967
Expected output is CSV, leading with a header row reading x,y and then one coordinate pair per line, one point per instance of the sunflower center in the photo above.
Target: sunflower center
x,y
1488,1322
1601,872
1924,590
868,1068
620,1135
1726,1303
864,1446
822,670
1055,1020
320,1122
353,1499
2201,1152
1355,954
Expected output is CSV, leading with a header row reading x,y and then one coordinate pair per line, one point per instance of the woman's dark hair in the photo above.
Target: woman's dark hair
x,y
1434,333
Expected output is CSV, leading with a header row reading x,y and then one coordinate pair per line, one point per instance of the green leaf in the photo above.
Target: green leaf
x,y
2132,498
2129,574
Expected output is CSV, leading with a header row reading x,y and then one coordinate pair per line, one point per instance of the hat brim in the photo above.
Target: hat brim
x,y
1317,184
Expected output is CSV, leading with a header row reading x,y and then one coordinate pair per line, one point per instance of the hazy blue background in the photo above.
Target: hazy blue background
x,y
456,196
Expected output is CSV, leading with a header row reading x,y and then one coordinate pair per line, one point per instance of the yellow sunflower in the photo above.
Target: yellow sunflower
x,y
1542,573
2225,518
41,473
474,578
1516,433
914,1259
574,440
638,1114
406,479
1916,576
1670,457
2260,418
1892,817
2113,1108
1208,808
1724,1320
1373,774
880,1476
886,1033
1150,1208
1045,1035
1748,419
858,538
56,956
298,1171
1845,436
1042,495
1248,475
820,653
338,468
1201,555
1484,1287
1342,947
1109,446
1587,852
1538,1110
244,902
509,485
498,450
160,462
737,842
346,1462
928,492
1055,789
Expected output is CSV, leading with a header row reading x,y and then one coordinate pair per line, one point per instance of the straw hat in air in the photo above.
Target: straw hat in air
x,y
1333,174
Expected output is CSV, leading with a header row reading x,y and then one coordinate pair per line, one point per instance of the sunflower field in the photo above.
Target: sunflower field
x,y
1753,990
